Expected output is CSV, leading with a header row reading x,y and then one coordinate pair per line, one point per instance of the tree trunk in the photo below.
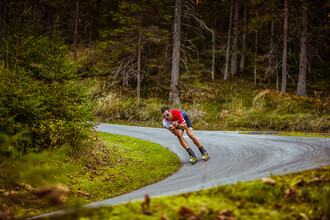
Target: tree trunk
x,y
242,63
213,41
213,54
174,94
276,72
228,41
255,60
32,15
213,48
4,32
76,33
138,77
271,70
4,18
301,90
45,21
285,46
233,68
90,40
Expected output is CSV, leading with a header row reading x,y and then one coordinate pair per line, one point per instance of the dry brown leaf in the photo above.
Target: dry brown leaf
x,y
226,214
301,182
269,181
146,205
187,213
5,214
164,217
318,180
83,194
290,193
54,193
223,217
225,111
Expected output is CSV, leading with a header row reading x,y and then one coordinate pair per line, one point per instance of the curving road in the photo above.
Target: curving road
x,y
233,157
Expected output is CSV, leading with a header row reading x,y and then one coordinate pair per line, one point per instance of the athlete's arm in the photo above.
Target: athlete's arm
x,y
183,126
172,127
178,125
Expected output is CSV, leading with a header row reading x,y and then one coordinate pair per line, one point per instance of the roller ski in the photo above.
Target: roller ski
x,y
193,158
205,155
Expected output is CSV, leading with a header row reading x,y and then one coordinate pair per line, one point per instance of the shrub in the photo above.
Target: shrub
x,y
40,100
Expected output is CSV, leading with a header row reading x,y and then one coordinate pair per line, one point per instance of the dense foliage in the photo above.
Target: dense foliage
x,y
121,39
41,102
127,44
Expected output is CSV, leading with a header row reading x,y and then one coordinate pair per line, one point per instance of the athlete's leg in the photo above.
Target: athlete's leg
x,y
191,135
179,134
197,143
184,143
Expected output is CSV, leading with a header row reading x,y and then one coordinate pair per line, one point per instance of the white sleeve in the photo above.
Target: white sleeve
x,y
167,124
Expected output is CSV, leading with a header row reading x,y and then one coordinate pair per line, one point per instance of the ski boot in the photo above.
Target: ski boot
x,y
205,155
193,159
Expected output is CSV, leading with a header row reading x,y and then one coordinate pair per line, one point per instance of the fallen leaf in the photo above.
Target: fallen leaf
x,y
187,213
269,181
83,194
226,215
102,163
146,205
225,111
222,217
301,182
290,193
56,194
5,214
318,180
164,217
226,212
303,216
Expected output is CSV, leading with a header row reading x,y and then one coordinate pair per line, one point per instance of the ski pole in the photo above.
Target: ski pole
x,y
192,109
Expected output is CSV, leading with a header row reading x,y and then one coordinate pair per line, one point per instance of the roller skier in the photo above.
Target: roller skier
x,y
177,122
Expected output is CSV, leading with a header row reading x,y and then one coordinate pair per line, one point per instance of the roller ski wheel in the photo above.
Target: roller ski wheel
x,y
193,160
205,156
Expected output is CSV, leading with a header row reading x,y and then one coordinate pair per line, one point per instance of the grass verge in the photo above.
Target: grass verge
x,y
303,195
49,181
296,134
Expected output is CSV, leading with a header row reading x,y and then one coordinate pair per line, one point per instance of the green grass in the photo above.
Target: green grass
x,y
111,166
303,195
297,134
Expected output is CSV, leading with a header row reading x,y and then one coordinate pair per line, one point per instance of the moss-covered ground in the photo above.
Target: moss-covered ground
x,y
38,183
303,195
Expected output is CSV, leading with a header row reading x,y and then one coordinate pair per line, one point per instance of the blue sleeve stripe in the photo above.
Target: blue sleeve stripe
x,y
182,112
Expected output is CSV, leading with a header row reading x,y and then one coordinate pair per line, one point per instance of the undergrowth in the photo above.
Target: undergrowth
x,y
221,105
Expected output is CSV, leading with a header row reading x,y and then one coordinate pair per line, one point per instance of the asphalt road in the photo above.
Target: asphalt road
x,y
233,157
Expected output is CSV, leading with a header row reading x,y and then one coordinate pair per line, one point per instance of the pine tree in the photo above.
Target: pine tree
x,y
301,89
285,46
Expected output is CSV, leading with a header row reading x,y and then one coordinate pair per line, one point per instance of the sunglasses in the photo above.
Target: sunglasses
x,y
166,115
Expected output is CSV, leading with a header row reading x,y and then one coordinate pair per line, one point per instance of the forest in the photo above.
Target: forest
x,y
239,64
182,52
